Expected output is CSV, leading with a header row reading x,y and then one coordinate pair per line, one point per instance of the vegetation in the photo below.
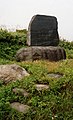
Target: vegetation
x,y
68,46
10,43
55,103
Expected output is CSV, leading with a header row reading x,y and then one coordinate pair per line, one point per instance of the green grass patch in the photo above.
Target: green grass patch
x,y
54,103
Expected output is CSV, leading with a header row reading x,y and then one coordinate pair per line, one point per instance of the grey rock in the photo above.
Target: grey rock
x,y
43,31
41,53
40,87
12,72
21,91
20,107
24,54
54,75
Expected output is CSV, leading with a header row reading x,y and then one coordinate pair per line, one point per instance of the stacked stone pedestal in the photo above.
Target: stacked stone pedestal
x,y
41,53
43,40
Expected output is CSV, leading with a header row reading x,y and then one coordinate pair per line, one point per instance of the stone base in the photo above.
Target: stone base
x,y
41,53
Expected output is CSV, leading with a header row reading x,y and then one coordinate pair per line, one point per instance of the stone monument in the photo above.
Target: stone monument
x,y
43,40
43,31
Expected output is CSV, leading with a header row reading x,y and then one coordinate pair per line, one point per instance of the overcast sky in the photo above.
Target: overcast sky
x,y
19,12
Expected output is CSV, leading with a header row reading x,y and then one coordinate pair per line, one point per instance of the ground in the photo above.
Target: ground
x,y
53,103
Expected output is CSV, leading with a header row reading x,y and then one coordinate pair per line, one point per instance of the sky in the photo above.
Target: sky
x,y
18,13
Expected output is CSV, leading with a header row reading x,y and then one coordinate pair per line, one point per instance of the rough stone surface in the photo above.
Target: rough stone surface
x,y
24,54
12,72
54,75
37,53
43,31
41,87
21,91
20,107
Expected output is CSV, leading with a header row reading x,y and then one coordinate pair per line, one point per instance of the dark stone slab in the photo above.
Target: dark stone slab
x,y
43,31
41,53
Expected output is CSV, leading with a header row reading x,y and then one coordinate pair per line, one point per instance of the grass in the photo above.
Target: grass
x,y
55,103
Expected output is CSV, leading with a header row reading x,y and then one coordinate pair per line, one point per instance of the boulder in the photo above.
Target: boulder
x,y
12,72
41,53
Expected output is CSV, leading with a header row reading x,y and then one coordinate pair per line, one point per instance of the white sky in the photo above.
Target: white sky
x,y
19,12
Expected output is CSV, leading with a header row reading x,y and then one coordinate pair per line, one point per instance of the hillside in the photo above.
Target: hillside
x,y
53,103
